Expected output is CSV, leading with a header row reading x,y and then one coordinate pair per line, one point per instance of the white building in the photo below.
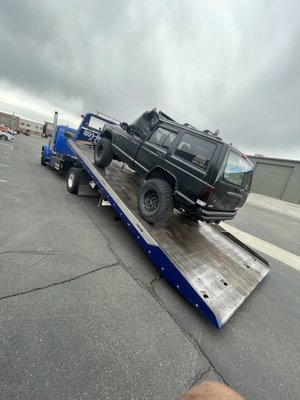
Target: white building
x,y
31,127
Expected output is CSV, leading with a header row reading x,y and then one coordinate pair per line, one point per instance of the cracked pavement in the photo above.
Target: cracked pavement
x,y
76,321
85,314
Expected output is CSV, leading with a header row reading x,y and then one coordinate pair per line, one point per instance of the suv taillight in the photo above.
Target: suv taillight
x,y
205,196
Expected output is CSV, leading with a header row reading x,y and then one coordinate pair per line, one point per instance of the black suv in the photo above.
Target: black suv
x,y
183,167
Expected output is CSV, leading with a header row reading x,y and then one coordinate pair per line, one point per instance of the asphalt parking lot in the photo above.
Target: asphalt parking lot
x,y
84,313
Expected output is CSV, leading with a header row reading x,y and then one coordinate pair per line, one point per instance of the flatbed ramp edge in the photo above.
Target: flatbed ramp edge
x,y
212,269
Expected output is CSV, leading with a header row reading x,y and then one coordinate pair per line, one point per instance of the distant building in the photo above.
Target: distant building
x,y
10,121
276,177
30,127
20,124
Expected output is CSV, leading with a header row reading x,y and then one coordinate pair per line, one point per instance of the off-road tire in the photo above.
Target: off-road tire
x,y
102,153
3,137
73,178
156,200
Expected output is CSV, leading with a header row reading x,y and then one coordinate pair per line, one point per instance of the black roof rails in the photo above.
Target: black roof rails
x,y
165,116
216,133
186,124
190,126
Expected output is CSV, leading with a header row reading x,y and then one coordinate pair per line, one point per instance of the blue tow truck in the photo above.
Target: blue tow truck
x,y
211,268
58,154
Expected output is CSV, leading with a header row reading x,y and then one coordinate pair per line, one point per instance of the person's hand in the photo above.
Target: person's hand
x,y
211,391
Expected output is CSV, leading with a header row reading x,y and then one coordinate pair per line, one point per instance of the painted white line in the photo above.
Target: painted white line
x,y
3,181
6,157
4,165
284,256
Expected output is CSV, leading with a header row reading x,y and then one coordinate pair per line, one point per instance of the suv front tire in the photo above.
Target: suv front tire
x,y
156,200
102,153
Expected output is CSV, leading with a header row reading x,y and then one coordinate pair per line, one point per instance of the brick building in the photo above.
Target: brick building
x,y
20,124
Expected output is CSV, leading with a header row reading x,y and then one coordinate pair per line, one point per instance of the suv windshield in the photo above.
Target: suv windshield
x,y
238,170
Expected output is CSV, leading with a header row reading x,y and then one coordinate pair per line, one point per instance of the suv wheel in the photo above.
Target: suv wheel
x,y
155,201
102,153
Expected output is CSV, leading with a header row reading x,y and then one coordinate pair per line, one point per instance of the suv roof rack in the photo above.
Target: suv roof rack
x,y
190,127
166,116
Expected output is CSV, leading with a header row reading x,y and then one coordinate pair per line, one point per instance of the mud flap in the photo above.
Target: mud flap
x,y
86,186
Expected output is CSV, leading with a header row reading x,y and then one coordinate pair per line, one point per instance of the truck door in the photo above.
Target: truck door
x,y
153,151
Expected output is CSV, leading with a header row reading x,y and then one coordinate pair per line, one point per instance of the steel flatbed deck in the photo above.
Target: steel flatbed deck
x,y
212,269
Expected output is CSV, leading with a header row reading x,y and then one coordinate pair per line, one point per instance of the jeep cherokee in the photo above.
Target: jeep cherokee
x,y
183,167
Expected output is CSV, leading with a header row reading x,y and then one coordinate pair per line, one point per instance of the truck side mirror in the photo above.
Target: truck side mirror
x,y
69,134
124,125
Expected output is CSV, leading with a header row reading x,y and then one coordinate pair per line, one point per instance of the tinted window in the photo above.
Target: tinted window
x,y
195,150
163,138
238,170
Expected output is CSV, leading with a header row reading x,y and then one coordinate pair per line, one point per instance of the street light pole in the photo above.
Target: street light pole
x,y
12,122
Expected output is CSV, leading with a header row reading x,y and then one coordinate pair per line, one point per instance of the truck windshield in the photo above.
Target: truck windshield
x,y
238,170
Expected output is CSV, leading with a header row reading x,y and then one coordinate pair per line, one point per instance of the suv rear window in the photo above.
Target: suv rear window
x,y
196,150
238,170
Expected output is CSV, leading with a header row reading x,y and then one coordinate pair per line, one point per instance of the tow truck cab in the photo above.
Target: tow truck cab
x,y
58,154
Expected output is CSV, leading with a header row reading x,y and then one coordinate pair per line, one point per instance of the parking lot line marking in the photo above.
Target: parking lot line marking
x,y
6,157
284,256
4,165
3,181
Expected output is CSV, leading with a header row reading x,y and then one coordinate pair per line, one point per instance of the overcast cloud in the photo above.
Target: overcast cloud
x,y
232,65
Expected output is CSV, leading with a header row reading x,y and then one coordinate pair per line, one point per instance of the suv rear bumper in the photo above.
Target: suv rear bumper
x,y
206,215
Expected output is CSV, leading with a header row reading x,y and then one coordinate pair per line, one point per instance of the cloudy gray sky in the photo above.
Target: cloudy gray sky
x,y
232,64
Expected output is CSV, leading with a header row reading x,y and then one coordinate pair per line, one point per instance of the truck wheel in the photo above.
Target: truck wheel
x,y
155,201
102,153
73,179
43,160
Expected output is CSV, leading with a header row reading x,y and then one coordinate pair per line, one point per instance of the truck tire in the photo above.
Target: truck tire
x,y
102,153
156,200
43,160
73,178
3,137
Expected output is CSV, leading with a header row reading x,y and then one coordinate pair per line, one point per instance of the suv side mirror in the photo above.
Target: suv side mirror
x,y
69,134
124,125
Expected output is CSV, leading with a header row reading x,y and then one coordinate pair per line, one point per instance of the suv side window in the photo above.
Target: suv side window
x,y
195,150
163,138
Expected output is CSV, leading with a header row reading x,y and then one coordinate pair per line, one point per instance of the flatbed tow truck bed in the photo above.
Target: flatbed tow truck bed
x,y
211,268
